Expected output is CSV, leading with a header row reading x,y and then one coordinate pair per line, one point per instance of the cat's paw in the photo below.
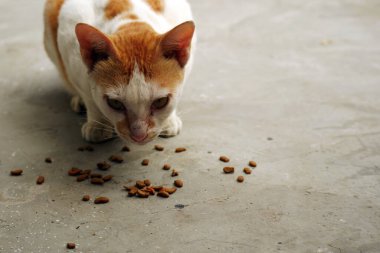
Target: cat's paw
x,y
77,105
95,132
172,127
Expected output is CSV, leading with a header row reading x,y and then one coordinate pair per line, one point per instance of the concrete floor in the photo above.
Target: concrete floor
x,y
305,73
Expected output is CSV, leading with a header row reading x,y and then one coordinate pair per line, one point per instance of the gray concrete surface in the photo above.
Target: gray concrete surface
x,y
305,73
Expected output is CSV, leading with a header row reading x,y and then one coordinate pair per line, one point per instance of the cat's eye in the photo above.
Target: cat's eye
x,y
160,103
115,104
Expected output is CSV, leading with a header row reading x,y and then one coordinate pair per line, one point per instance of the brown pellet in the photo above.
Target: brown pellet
x,y
166,167
178,183
70,245
228,170
240,179
247,170
163,194
142,194
96,175
48,160
83,172
96,180
145,162
252,164
169,190
40,180
157,188
116,159
147,182
174,173
103,165
128,188
140,184
133,191
16,172
125,149
74,172
107,178
86,198
101,200
224,159
150,190
158,147
82,177
179,150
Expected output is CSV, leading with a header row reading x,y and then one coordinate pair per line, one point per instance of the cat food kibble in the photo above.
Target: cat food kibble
x,y
97,181
166,167
140,184
224,159
163,194
169,190
142,194
125,149
103,165
147,182
116,159
82,177
149,190
240,179
16,172
145,162
70,245
157,188
252,163
133,191
74,172
40,180
96,175
83,172
174,173
228,170
247,170
86,198
107,178
101,200
158,147
178,183
179,150
48,160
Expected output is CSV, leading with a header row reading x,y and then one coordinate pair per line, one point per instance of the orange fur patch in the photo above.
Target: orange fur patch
x,y
115,7
130,16
157,5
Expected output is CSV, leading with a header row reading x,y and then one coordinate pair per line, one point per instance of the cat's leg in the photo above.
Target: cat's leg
x,y
172,126
77,104
97,128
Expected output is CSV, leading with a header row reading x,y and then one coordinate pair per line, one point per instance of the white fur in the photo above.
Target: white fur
x,y
135,95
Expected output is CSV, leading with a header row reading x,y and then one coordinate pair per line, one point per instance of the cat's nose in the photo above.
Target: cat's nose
x,y
138,131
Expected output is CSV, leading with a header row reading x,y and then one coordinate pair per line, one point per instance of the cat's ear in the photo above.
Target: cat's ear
x,y
94,45
177,42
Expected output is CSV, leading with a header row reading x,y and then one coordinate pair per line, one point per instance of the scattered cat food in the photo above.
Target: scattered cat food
x,y
74,172
96,175
142,194
252,163
103,165
174,173
125,149
107,178
147,182
16,172
240,179
48,160
247,170
228,170
83,177
179,150
178,183
83,172
140,184
70,245
224,159
101,200
150,190
145,162
116,159
157,188
40,180
169,190
97,181
86,198
163,194
158,147
166,167
133,191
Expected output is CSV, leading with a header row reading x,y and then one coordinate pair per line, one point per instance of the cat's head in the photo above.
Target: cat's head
x,y
136,75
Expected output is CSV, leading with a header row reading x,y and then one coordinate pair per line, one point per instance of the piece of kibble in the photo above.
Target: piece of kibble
x,y
157,188
145,162
252,163
166,167
82,177
97,181
228,170
150,190
116,159
101,200
178,183
16,172
224,159
125,149
247,170
174,173
140,184
240,179
169,190
96,175
158,147
83,172
163,194
142,194
48,160
70,245
74,172
107,178
86,198
147,182
133,191
179,150
40,180
103,165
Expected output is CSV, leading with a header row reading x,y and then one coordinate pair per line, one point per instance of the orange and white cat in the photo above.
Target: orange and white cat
x,y
124,60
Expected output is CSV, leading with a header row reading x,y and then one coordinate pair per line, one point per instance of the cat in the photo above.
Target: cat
x,y
125,61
